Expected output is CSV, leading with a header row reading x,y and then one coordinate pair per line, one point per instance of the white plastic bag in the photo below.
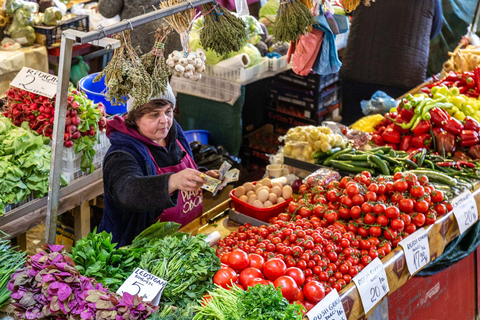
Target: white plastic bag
x,y
242,8
95,18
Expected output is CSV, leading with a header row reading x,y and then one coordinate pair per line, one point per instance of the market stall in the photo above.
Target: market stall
x,y
343,218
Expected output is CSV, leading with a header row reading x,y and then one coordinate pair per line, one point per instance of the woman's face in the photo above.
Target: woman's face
x,y
156,124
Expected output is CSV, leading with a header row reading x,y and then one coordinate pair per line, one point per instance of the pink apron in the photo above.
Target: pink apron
x,y
189,203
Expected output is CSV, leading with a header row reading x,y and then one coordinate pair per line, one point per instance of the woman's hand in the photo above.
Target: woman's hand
x,y
213,173
186,180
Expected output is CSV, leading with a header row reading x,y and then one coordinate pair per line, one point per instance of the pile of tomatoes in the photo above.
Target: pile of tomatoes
x,y
332,233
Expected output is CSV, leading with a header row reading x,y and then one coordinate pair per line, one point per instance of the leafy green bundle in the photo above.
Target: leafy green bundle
x,y
292,20
12,260
187,263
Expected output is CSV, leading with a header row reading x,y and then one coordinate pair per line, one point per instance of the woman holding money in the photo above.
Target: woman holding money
x,y
149,172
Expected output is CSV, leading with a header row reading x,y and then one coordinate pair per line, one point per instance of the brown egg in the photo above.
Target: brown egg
x,y
266,182
287,192
277,190
280,200
244,198
262,195
249,193
257,186
252,198
248,186
262,188
277,184
258,204
267,204
240,191
272,197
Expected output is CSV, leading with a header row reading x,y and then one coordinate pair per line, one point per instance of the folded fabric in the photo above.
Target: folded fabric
x,y
327,61
306,52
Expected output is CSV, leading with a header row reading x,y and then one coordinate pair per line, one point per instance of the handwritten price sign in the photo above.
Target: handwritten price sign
x,y
329,308
465,210
144,284
417,250
372,284
37,82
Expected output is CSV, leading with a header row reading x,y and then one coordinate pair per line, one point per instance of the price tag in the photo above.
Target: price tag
x,y
37,82
372,284
465,210
417,250
330,308
144,284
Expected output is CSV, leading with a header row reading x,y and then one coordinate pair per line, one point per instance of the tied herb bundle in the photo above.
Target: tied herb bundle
x,y
12,259
187,263
222,31
293,19
125,75
154,62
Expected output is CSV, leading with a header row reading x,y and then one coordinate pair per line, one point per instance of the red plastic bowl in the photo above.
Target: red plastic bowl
x,y
263,214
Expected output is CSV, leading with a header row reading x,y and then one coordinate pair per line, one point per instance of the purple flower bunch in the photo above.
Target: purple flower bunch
x,y
49,286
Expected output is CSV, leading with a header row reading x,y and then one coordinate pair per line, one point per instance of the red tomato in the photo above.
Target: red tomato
x,y
398,176
370,196
304,212
392,212
224,258
373,187
355,212
225,277
332,195
358,199
288,286
375,231
293,207
397,224
406,218
248,275
260,281
309,305
274,268
314,291
352,190
238,260
390,234
419,220
382,220
437,196
410,228
366,207
369,219
406,205
297,275
441,209
417,191
421,206
379,208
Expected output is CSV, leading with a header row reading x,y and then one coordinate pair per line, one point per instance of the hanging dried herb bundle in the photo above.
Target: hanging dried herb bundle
x,y
222,31
293,19
179,21
125,75
154,62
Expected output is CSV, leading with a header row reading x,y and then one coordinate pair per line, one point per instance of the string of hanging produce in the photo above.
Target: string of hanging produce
x,y
154,62
293,20
350,5
125,75
222,31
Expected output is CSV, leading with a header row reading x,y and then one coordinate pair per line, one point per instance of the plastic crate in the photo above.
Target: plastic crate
x,y
276,64
71,161
239,75
54,33
263,214
10,207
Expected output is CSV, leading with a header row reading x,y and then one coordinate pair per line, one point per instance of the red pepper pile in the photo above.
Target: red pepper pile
x,y
468,83
39,112
434,129
332,233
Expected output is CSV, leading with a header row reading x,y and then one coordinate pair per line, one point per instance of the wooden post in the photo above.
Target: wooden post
x,y
81,216
22,241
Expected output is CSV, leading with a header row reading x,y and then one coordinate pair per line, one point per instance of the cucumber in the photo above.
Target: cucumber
x,y
380,164
436,176
350,168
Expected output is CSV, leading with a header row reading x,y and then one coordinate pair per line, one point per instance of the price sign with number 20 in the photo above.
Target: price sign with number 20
x,y
372,284
465,210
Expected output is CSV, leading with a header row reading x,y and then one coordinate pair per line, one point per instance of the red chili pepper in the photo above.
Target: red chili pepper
x,y
413,151
423,126
466,164
470,82
391,135
463,89
469,138
471,124
439,116
405,143
454,126
422,140
407,114
446,164
426,90
452,76
476,74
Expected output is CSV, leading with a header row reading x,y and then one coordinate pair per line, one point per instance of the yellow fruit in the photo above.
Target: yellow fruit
x,y
459,115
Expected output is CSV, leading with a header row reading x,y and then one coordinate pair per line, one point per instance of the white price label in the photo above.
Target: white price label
x,y
329,308
465,210
37,82
372,284
144,284
417,250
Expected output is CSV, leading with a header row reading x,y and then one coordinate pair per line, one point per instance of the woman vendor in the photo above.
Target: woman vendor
x,y
149,172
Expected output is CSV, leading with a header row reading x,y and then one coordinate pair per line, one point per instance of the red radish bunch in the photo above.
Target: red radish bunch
x,y
39,112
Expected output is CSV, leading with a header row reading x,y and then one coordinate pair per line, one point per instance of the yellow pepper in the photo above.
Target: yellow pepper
x,y
367,123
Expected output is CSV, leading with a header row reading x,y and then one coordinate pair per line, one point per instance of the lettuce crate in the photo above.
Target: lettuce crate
x,y
10,207
239,75
71,160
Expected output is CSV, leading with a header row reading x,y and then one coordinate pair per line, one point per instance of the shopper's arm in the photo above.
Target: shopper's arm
x,y
131,190
110,8
437,22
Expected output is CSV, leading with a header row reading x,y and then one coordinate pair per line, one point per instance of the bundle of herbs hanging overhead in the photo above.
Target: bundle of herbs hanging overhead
x,y
154,62
293,20
222,31
125,75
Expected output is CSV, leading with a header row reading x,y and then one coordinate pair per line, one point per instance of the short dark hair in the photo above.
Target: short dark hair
x,y
134,115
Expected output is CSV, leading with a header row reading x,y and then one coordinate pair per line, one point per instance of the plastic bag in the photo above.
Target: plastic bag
x,y
95,18
356,138
24,35
241,7
12,5
379,103
32,7
321,178
53,17
306,52
23,17
211,157
327,61
9,45
38,18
